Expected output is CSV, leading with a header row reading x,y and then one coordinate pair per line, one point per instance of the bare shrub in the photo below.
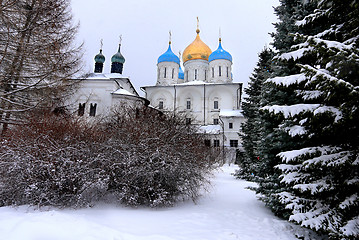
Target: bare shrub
x,y
164,159
138,155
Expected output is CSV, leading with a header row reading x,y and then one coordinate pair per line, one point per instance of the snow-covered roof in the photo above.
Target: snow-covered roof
x,y
210,129
230,113
122,91
193,83
105,76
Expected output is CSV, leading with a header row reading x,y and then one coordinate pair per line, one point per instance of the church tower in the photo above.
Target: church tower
x,y
117,61
99,61
195,60
220,65
168,65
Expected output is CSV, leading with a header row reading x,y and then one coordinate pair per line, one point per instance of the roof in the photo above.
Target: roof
x,y
220,53
168,56
122,91
210,129
230,113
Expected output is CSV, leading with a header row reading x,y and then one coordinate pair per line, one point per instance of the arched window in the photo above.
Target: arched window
x,y
160,104
165,73
195,74
227,71
81,109
215,104
93,109
173,73
188,103
219,71
205,74
213,72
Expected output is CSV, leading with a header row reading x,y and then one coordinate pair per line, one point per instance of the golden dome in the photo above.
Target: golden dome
x,y
196,50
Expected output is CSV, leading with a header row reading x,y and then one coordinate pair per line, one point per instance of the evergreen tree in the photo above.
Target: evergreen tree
x,y
251,129
273,140
315,124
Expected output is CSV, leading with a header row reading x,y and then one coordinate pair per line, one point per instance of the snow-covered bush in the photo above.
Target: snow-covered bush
x,y
139,156
162,160
51,161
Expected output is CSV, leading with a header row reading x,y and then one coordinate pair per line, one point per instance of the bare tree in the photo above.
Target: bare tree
x,y
37,55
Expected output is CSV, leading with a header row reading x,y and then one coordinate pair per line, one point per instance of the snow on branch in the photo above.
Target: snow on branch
x,y
295,54
287,80
329,160
351,228
313,188
290,111
316,218
295,130
349,201
292,155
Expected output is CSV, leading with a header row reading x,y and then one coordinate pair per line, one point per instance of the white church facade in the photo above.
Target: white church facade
x,y
99,93
204,92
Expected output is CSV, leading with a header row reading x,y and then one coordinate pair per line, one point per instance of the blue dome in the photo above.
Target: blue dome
x,y
100,58
168,56
117,57
220,53
180,73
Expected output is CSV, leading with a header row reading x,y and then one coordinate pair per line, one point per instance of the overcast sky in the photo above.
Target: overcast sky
x,y
144,26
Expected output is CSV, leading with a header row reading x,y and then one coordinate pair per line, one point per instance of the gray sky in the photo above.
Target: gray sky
x,y
144,26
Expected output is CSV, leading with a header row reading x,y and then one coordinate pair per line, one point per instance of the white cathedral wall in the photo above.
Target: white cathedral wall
x,y
226,76
94,92
98,90
167,73
190,68
164,94
201,99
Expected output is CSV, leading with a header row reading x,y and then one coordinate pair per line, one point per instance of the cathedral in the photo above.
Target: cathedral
x,y
203,92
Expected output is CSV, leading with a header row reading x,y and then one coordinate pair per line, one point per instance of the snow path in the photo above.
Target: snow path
x,y
229,212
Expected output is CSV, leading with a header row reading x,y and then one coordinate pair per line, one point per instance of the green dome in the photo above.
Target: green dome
x,y
118,57
100,58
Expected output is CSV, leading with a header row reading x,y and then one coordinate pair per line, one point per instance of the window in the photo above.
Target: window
x,y
219,71
215,104
205,74
227,71
81,110
165,73
187,76
207,142
195,74
93,109
213,72
188,121
215,121
215,143
233,143
173,72
230,125
188,104
160,105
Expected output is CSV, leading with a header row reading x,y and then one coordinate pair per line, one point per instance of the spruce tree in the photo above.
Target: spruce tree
x,y
251,129
273,140
315,131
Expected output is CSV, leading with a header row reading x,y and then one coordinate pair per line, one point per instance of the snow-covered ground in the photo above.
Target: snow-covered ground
x,y
229,211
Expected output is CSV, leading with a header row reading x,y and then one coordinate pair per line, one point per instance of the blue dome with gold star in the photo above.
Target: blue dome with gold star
x,y
220,53
168,56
